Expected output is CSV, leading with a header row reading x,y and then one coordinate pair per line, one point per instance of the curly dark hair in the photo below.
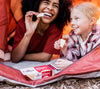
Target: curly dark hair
x,y
63,15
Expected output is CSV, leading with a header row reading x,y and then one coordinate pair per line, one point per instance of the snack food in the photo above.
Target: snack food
x,y
62,42
38,72
40,15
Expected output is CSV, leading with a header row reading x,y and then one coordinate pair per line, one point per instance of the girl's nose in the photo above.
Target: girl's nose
x,y
72,22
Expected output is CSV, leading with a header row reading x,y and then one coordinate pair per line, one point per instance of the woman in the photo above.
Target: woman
x,y
34,40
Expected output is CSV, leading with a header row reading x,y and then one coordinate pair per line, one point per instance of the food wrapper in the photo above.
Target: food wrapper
x,y
37,72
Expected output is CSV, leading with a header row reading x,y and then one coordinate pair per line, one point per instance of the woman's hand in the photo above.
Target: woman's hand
x,y
62,63
31,25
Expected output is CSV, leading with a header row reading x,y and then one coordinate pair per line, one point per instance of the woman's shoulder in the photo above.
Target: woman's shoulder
x,y
21,21
21,25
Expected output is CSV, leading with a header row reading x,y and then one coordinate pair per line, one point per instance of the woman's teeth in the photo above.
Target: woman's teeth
x,y
47,14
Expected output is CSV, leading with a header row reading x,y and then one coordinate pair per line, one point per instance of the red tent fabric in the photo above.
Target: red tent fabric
x,y
87,67
83,68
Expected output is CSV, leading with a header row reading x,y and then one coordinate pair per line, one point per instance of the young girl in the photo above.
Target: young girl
x,y
85,34
34,39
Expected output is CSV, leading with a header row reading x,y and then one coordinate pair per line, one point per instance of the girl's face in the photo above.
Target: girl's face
x,y
51,7
80,23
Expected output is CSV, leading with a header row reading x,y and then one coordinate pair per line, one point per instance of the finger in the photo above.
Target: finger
x,y
31,13
56,45
58,67
65,36
38,19
60,60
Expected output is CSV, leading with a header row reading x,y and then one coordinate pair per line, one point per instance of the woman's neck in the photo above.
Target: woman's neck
x,y
42,28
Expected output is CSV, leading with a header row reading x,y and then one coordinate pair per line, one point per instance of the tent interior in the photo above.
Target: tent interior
x,y
14,15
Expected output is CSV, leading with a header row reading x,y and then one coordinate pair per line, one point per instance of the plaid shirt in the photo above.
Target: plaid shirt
x,y
78,48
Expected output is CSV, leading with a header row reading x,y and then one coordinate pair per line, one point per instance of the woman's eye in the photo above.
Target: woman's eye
x,y
56,6
46,2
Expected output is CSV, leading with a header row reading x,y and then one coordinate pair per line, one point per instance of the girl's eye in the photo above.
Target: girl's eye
x,y
77,18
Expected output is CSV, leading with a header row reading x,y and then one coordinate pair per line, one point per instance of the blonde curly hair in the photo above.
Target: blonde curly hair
x,y
89,9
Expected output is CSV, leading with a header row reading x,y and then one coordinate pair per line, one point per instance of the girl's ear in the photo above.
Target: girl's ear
x,y
93,20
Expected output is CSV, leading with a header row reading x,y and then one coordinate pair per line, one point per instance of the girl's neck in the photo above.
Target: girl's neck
x,y
84,36
42,28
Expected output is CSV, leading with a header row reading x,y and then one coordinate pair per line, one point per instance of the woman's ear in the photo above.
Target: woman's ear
x,y
92,20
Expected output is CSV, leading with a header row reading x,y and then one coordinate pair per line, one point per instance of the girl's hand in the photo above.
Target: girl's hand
x,y
7,56
31,25
62,63
65,37
57,44
61,43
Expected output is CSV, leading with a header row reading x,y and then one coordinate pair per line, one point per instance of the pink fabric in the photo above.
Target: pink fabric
x,y
87,64
3,25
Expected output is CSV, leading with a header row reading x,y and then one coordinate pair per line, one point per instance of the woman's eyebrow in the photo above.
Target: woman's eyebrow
x,y
49,1
45,0
56,3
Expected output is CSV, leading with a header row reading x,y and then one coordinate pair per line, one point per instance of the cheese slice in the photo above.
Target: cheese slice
x,y
62,42
40,15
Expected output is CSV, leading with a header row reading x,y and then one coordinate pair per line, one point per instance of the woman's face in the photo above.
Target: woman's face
x,y
51,8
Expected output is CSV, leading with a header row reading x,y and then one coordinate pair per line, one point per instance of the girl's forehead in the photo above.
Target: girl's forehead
x,y
77,12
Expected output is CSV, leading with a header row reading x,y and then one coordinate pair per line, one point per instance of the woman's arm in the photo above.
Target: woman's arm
x,y
19,51
42,56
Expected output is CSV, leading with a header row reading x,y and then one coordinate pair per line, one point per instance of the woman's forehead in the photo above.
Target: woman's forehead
x,y
51,0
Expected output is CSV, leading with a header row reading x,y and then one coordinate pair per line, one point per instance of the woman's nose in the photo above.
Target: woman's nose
x,y
50,6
